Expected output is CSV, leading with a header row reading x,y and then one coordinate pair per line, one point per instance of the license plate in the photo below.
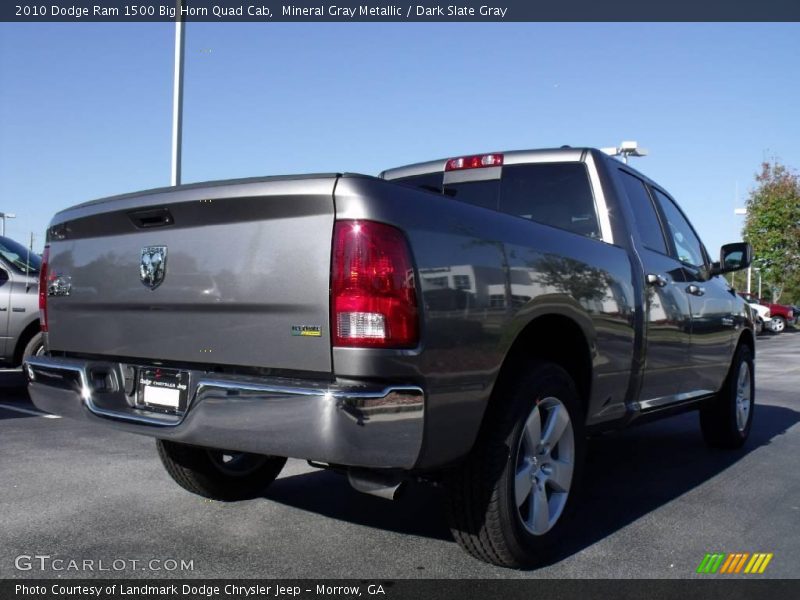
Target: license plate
x,y
163,389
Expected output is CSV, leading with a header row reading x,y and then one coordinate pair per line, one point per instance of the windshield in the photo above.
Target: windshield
x,y
16,255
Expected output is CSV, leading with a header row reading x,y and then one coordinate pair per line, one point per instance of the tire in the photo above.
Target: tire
x,y
34,347
726,420
778,324
489,512
205,472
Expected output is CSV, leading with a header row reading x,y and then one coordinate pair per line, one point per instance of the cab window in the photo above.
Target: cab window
x,y
688,248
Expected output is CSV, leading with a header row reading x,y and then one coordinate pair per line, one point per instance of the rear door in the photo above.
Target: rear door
x,y
667,310
234,274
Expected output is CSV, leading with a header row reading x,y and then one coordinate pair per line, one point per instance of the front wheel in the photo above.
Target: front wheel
x,y
778,324
506,503
727,418
218,474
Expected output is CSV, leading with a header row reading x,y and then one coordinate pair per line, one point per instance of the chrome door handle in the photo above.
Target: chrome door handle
x,y
695,290
657,280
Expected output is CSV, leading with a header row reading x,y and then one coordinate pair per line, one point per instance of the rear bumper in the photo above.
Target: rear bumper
x,y
346,422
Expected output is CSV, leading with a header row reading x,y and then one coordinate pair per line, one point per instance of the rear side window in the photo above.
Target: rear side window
x,y
644,212
555,194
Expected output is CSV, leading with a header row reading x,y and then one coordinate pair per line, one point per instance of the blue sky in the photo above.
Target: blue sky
x,y
85,108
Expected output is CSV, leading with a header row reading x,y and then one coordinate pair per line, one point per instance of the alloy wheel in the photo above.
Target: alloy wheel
x,y
743,396
545,463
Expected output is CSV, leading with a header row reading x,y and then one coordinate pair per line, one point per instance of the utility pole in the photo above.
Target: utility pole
x,y
177,94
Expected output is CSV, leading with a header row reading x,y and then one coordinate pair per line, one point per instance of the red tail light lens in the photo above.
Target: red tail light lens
x,y
373,296
479,161
43,288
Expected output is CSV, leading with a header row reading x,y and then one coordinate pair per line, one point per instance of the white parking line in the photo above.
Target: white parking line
x,y
35,413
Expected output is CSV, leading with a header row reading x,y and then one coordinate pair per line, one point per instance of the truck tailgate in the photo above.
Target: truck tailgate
x,y
230,274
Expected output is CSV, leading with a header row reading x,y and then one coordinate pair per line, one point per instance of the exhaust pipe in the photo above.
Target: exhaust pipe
x,y
384,485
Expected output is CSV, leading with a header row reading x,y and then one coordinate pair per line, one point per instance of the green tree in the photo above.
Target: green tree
x,y
773,226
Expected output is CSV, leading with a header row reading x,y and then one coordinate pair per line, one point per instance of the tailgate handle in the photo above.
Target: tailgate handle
x,y
146,219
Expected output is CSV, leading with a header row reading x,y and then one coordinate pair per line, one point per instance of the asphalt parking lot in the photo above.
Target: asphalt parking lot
x,y
655,501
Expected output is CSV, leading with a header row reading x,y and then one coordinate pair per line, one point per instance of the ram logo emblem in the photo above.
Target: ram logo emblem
x,y
153,266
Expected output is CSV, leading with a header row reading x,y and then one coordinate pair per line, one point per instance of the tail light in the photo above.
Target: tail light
x,y
479,161
43,288
373,296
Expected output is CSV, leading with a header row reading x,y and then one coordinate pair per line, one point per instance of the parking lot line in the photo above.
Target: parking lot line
x,y
35,413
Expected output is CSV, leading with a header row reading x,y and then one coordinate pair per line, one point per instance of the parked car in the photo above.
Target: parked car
x,y
580,300
20,334
763,318
782,315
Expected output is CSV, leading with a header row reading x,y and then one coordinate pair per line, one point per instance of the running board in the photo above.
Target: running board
x,y
653,404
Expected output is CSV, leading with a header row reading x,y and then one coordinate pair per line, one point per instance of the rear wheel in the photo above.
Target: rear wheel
x,y
34,347
727,418
506,504
218,474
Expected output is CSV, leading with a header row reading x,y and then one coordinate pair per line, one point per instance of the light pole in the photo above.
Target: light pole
x,y
177,95
625,150
743,211
758,270
5,216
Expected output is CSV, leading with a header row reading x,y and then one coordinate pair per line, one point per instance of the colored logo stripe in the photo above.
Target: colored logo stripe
x,y
734,562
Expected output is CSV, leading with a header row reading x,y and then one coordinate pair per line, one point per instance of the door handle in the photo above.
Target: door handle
x,y
657,280
695,290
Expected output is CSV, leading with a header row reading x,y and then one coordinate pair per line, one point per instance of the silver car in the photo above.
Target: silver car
x,y
20,334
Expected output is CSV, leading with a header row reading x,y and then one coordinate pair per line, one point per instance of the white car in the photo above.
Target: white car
x,y
764,317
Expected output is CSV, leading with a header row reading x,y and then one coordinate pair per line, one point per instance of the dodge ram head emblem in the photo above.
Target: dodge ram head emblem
x,y
153,266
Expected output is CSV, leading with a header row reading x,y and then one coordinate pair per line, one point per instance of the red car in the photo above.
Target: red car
x,y
782,315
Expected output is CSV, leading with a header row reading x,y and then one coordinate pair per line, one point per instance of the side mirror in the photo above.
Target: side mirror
x,y
733,257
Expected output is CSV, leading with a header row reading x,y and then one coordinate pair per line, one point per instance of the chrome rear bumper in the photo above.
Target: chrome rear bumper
x,y
346,422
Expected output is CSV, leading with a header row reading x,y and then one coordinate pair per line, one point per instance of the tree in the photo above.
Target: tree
x,y
773,226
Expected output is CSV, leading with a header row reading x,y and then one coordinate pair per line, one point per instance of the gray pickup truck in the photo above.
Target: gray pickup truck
x,y
466,321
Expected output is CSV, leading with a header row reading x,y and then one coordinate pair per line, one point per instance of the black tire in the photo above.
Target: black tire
x,y
34,347
203,471
484,516
721,419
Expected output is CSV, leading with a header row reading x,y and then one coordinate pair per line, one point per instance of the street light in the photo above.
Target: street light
x,y
743,212
758,270
177,95
5,216
625,150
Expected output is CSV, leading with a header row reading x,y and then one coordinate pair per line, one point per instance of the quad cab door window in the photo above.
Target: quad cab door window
x,y
710,301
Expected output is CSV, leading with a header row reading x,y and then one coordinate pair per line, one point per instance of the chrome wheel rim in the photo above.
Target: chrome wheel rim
x,y
544,466
778,325
743,396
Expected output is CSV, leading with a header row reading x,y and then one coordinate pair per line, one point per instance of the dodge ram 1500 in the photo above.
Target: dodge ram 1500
x,y
466,321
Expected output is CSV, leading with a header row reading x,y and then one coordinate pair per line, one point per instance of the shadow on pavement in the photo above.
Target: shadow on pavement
x,y
651,465
648,466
